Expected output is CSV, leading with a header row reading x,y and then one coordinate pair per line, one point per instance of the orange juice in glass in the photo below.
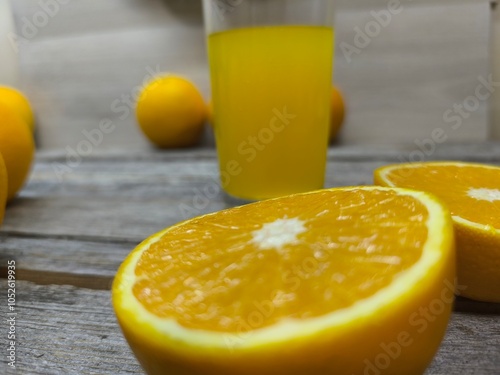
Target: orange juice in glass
x,y
271,68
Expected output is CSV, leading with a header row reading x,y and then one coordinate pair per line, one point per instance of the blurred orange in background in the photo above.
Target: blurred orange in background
x,y
171,112
338,113
16,101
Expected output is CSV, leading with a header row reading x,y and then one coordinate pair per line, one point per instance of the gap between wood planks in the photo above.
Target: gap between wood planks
x,y
61,278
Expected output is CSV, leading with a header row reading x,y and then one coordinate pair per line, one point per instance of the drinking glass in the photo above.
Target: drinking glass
x,y
271,76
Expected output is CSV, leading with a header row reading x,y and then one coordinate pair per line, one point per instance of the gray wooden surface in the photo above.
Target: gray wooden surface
x,y
78,217
68,235
86,62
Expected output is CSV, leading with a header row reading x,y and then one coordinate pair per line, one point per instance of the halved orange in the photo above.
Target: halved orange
x,y
472,194
337,281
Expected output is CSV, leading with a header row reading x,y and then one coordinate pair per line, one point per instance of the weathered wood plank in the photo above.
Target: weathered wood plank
x,y
471,346
78,228
92,264
64,330
52,254
480,151
128,197
130,200
102,173
51,260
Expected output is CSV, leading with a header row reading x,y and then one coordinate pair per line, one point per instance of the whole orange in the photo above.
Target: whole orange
x,y
171,112
337,114
16,100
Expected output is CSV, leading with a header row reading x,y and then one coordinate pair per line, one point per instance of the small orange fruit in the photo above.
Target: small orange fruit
x,y
17,148
315,283
472,193
171,112
337,114
15,100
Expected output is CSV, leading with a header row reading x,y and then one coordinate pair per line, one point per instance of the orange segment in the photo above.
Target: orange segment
x,y
472,193
312,282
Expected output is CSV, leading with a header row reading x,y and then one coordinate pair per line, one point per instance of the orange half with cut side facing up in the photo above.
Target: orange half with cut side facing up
x,y
472,193
337,281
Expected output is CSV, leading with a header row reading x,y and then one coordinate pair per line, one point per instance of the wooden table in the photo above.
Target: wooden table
x,y
69,232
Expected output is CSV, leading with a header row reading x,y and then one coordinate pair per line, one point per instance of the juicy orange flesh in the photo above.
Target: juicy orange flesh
x,y
208,273
452,183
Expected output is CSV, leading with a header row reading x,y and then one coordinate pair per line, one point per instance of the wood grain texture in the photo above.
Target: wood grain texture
x,y
63,330
51,260
76,228
67,330
87,62
69,233
137,195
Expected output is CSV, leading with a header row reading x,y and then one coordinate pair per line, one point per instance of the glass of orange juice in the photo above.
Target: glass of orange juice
x,y
271,76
